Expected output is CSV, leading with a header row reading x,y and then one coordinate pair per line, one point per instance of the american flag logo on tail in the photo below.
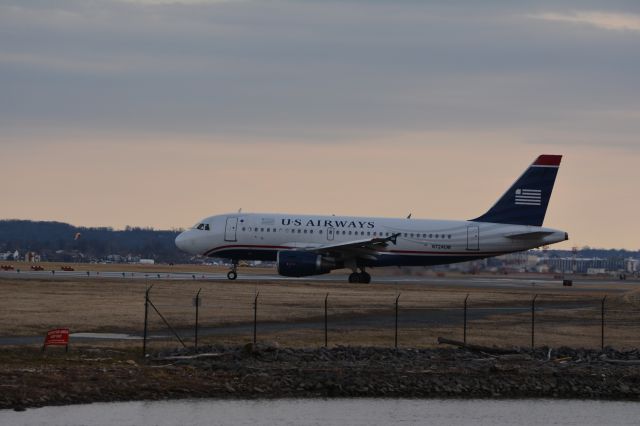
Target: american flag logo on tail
x,y
528,197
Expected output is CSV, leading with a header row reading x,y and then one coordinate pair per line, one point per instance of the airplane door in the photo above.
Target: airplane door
x,y
230,230
330,233
473,238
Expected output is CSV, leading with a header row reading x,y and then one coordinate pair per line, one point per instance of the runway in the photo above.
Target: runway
x,y
580,284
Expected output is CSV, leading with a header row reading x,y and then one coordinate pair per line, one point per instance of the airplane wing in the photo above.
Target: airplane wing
x,y
357,245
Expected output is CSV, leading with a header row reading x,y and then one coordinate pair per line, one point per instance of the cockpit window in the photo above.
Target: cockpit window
x,y
202,227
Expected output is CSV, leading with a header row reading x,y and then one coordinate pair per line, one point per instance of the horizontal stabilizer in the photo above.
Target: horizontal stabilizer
x,y
536,235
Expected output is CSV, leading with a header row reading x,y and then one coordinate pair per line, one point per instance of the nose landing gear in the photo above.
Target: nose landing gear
x,y
233,273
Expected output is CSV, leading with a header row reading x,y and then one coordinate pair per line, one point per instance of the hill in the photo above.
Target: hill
x,y
57,241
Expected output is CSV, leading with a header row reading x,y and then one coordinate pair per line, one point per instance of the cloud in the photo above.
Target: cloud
x,y
178,2
604,20
311,71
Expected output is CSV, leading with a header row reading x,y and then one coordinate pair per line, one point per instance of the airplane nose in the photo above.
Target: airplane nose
x,y
181,241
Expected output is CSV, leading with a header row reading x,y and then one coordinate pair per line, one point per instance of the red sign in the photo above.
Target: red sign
x,y
59,336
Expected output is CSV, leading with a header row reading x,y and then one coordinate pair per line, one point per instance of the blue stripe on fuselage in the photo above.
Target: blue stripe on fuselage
x,y
383,259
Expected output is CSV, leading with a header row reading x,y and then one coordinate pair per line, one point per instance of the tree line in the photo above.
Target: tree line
x,y
65,242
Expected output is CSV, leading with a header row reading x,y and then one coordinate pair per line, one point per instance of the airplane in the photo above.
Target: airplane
x,y
307,245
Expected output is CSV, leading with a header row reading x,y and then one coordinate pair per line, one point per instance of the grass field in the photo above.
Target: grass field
x,y
130,267
365,312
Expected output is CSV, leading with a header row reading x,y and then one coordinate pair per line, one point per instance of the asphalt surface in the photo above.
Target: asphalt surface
x,y
481,282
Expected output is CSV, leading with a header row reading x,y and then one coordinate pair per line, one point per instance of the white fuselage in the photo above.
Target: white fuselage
x,y
420,242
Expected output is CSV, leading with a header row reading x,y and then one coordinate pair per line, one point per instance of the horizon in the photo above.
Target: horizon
x,y
150,228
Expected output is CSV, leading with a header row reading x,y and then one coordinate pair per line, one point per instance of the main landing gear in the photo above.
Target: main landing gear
x,y
360,277
233,273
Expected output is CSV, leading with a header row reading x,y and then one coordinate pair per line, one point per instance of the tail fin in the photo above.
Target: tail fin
x,y
525,203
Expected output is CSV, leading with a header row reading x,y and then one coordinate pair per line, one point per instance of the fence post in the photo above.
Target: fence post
x,y
464,336
146,316
326,332
533,321
396,335
197,307
602,323
255,318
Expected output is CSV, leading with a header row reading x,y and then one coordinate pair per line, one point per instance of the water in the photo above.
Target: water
x,y
334,412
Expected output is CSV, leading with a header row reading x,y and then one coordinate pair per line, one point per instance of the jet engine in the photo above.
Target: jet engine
x,y
293,263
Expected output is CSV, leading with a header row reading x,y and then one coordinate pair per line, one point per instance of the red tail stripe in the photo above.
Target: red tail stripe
x,y
548,160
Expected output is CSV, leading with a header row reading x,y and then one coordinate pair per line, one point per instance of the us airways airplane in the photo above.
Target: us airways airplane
x,y
304,245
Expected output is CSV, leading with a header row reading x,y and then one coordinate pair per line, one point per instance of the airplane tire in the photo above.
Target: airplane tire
x,y
363,278
232,275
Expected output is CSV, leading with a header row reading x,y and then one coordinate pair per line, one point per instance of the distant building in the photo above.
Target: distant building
x,y
147,261
31,257
579,264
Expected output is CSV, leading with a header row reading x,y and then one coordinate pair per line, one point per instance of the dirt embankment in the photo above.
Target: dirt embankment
x,y
29,379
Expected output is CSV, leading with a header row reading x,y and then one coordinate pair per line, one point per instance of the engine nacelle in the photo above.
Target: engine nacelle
x,y
292,263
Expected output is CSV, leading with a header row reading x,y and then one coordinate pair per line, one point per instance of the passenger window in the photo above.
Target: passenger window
x,y
311,231
261,229
449,236
368,233
320,231
299,231
430,235
305,231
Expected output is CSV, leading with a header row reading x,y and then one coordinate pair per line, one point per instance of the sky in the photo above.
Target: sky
x,y
159,112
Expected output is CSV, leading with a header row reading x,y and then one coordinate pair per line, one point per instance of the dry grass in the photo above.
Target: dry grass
x,y
32,306
135,267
